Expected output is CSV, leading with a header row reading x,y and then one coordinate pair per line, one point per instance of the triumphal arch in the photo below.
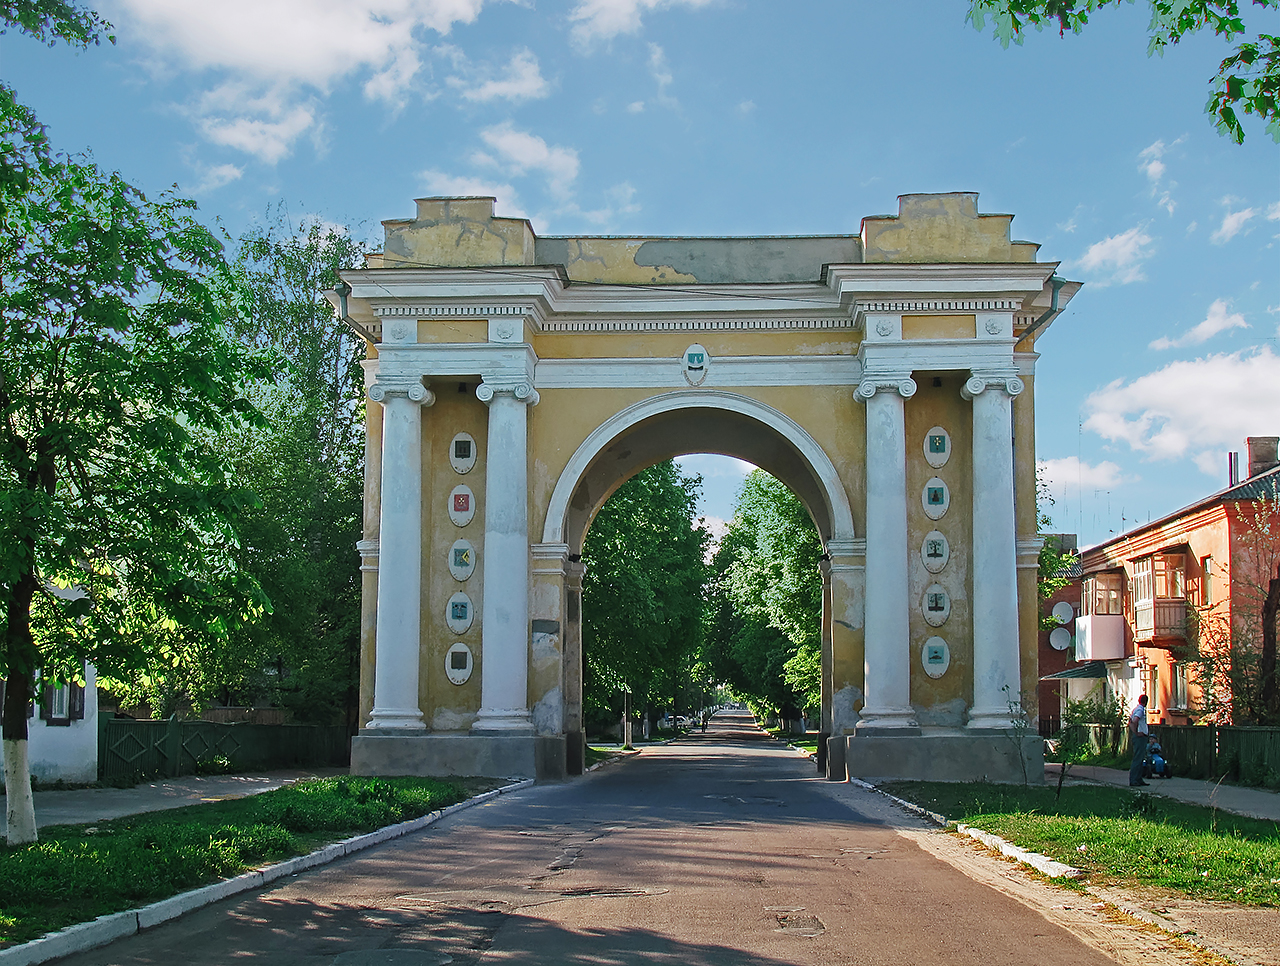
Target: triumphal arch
x,y
515,381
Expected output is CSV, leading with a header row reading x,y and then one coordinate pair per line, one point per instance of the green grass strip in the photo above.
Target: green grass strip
x,y
76,873
1121,836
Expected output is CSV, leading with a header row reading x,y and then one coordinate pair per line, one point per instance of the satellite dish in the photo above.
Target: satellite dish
x,y
1060,638
1064,612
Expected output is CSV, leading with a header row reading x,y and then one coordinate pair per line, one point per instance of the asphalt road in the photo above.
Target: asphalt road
x,y
721,849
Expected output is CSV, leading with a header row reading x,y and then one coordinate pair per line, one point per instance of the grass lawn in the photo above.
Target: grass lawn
x,y
76,873
808,741
1121,836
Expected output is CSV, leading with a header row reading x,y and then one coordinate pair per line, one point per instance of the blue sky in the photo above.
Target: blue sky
x,y
713,117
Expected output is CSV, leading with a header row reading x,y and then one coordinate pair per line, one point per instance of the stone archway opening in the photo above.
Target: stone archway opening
x,y
684,424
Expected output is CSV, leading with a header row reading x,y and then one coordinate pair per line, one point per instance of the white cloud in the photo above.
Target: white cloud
x,y
214,177
1119,256
1070,475
635,107
1218,320
746,107
1232,222
520,80
1150,163
597,20
1191,410
291,52
661,72
519,152
452,186
1273,212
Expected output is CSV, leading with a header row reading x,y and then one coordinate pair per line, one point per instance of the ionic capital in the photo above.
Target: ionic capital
x,y
874,382
980,382
523,392
413,390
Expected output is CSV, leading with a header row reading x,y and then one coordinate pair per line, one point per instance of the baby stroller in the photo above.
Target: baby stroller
x,y
1155,765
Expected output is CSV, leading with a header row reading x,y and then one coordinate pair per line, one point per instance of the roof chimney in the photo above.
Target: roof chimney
x,y
1262,454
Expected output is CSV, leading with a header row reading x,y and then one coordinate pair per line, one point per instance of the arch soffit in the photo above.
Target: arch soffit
x,y
816,459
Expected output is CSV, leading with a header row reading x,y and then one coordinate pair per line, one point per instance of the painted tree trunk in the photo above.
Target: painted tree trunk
x,y
20,656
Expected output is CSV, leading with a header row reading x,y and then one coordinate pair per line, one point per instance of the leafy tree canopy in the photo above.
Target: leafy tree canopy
x,y
1247,81
115,359
52,20
765,618
642,590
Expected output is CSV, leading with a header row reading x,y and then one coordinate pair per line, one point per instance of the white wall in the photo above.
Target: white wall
x,y
67,752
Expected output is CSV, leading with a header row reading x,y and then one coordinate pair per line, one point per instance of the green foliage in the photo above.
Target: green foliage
x,y
116,363
49,21
1248,79
642,593
80,873
765,602
1116,835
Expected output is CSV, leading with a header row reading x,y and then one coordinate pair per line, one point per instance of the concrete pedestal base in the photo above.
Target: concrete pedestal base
x,y
490,756
998,757
575,749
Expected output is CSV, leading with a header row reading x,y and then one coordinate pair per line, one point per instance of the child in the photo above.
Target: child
x,y
1159,767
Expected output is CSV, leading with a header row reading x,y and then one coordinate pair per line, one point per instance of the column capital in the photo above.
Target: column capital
x,y
874,382
549,558
523,392
412,389
980,381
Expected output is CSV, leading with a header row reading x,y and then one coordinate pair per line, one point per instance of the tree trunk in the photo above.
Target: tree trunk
x,y
20,654
1267,664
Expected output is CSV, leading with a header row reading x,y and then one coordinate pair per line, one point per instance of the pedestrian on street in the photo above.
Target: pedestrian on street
x,y
1138,733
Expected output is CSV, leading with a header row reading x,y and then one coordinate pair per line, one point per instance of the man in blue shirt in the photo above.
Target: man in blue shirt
x,y
1138,733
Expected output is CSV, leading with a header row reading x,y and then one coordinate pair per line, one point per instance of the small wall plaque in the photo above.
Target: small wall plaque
x,y
936,498
462,453
936,605
459,613
935,551
936,657
694,363
458,662
462,560
462,505
937,447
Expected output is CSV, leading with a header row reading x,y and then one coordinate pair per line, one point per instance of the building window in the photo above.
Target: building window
x,y
1103,594
1206,581
61,704
1170,572
1178,695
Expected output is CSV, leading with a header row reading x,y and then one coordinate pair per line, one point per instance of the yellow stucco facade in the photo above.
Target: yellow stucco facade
x,y
572,363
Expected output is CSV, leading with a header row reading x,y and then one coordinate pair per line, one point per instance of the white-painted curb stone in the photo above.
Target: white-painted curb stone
x,y
1041,863
106,929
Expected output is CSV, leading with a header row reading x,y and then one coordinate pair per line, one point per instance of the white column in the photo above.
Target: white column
x,y
395,670
504,628
887,703
996,652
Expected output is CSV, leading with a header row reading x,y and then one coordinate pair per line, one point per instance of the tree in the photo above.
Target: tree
x,y
1247,80
766,601
115,359
642,591
52,20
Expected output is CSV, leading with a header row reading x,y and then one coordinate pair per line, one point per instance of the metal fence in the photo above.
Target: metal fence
x,y
130,749
1243,754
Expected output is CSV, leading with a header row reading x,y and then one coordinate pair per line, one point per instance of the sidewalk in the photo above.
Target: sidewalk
x,y
1253,802
84,805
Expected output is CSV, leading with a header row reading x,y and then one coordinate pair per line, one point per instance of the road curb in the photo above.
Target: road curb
x,y
1041,863
117,925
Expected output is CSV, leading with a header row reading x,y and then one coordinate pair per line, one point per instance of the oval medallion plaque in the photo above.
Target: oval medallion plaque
x,y
462,560
458,662
459,613
935,551
936,605
936,499
462,453
937,447
462,505
936,657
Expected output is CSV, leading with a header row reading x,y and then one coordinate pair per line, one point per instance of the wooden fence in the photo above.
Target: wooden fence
x,y
131,749
1247,755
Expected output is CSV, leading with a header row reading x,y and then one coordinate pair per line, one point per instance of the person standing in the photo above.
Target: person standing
x,y
1138,734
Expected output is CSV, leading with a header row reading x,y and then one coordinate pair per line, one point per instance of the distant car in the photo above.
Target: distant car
x,y
682,721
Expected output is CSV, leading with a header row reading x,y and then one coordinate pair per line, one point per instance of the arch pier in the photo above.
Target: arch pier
x,y
515,381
